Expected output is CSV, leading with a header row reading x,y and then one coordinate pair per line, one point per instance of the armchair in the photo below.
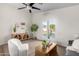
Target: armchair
x,y
16,48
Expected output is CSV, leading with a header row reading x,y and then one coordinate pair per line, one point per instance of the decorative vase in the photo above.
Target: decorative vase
x,y
44,46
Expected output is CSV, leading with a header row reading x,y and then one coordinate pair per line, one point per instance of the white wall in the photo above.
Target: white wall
x,y
9,15
67,23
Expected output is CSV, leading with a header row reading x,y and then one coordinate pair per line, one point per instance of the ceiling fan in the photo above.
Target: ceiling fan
x,y
29,6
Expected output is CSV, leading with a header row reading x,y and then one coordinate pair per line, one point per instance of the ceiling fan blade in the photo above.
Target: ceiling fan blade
x,y
24,4
35,8
31,4
22,8
30,11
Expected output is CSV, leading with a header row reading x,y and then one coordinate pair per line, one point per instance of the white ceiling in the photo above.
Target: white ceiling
x,y
46,6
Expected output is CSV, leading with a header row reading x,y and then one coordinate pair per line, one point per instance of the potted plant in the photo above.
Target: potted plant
x,y
14,28
34,28
44,43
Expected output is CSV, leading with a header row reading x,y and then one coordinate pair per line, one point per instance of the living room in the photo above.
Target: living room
x,y
49,24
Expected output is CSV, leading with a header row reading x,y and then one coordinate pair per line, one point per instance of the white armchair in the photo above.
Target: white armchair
x,y
16,48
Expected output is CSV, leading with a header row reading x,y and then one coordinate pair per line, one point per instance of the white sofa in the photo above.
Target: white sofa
x,y
16,48
74,49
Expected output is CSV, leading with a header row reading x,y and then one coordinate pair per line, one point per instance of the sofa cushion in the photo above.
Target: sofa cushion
x,y
76,44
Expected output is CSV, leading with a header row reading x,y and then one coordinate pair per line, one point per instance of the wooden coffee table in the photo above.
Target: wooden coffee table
x,y
49,51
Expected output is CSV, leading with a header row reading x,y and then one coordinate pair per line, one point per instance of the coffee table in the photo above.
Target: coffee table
x,y
49,51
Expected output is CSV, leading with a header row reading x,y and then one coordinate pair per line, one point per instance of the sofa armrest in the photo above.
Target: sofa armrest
x,y
72,49
71,53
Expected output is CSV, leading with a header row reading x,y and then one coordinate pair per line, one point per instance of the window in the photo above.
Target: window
x,y
49,29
